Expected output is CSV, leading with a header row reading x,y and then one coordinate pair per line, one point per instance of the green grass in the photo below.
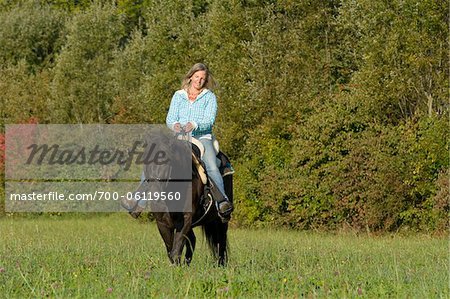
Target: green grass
x,y
116,256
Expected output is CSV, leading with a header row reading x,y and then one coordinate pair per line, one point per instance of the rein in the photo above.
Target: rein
x,y
206,211
158,179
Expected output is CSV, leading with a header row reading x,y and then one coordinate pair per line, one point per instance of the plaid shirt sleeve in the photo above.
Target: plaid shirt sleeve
x,y
172,115
205,119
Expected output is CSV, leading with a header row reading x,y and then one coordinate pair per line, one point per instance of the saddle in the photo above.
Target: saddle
x,y
223,162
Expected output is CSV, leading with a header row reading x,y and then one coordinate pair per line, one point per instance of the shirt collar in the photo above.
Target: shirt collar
x,y
204,91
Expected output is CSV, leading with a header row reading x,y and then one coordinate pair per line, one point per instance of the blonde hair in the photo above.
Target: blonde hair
x,y
210,83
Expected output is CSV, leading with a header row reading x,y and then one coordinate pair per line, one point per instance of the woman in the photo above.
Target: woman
x,y
193,109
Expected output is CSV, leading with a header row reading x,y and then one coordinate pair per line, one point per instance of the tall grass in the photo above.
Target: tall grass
x,y
116,256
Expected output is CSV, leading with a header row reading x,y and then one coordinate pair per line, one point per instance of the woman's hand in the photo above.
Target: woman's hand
x,y
177,128
189,127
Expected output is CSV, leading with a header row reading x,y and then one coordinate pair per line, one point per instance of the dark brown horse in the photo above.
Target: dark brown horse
x,y
175,225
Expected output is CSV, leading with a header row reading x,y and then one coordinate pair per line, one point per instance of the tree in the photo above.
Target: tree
x,y
81,87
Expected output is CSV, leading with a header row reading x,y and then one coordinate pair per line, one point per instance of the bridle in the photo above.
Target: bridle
x,y
155,178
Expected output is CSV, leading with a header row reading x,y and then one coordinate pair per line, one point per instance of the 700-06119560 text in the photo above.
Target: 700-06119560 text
x,y
97,195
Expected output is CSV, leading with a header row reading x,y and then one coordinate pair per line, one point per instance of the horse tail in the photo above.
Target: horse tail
x,y
216,235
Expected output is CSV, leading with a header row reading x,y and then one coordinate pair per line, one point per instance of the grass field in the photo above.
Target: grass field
x,y
116,256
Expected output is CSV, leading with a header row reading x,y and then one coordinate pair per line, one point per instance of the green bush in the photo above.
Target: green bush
x,y
81,87
32,33
24,95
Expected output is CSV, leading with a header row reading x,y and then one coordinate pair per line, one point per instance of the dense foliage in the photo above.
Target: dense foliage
x,y
335,113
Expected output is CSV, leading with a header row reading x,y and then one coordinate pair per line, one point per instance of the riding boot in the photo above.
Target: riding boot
x,y
132,206
136,212
224,205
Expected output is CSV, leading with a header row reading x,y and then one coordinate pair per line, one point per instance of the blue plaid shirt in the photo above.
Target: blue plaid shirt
x,y
202,112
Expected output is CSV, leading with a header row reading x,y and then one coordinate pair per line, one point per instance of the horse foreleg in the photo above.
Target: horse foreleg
x,y
181,231
190,246
167,235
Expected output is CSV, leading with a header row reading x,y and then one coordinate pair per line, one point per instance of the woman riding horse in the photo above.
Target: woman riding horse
x,y
194,108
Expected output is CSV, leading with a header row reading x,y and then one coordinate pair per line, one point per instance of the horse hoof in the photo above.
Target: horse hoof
x,y
187,262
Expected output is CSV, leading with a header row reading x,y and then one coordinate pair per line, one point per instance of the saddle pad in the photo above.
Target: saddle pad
x,y
200,169
202,148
